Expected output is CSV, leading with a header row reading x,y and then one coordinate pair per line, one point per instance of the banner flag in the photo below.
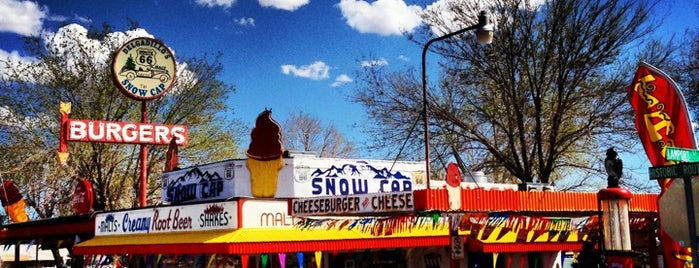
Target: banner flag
x,y
662,120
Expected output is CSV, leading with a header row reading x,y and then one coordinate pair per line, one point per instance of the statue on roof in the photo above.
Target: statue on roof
x,y
614,167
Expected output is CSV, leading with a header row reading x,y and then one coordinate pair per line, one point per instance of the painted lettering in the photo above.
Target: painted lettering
x,y
181,223
157,90
181,193
214,219
161,224
120,132
148,43
339,186
210,189
275,219
395,186
135,225
390,202
109,225
317,187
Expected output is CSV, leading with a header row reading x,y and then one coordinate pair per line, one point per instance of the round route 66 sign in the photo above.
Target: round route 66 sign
x,y
144,69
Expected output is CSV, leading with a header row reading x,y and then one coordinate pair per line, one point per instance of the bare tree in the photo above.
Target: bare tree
x,y
689,68
72,65
305,133
542,102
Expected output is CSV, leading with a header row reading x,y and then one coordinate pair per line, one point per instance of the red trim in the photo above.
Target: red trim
x,y
531,247
476,245
240,213
62,143
561,203
614,193
265,247
48,230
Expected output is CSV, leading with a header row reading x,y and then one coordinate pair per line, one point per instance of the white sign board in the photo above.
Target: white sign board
x,y
353,204
265,214
673,211
169,219
299,177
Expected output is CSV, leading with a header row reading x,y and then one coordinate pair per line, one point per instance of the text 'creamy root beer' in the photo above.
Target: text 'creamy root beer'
x,y
265,155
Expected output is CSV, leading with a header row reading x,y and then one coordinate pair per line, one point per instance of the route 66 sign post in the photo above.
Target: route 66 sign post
x,y
684,227
144,69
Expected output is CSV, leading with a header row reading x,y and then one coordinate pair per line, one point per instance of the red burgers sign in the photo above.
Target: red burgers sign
x,y
125,132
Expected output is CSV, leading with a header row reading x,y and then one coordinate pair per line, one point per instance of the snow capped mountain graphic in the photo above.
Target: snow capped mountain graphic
x,y
353,170
195,175
333,171
384,173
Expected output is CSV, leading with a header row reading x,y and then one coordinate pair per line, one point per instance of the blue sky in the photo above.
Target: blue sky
x,y
288,55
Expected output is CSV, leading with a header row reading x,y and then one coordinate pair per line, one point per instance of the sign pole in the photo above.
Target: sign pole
x,y
143,158
694,240
144,69
684,170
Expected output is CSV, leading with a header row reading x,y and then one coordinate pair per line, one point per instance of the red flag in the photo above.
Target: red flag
x,y
171,156
662,120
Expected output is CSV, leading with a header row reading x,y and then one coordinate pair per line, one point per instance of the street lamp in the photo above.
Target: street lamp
x,y
484,35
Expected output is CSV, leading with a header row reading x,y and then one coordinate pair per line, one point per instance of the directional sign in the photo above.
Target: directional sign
x,y
674,171
681,154
673,211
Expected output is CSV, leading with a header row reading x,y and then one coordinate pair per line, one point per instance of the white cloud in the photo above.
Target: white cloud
x,y
383,17
372,63
315,71
454,22
403,58
14,57
58,18
12,60
21,17
72,44
245,21
341,80
82,19
288,5
214,3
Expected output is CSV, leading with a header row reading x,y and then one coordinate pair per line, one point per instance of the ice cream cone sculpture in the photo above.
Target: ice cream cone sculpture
x,y
265,155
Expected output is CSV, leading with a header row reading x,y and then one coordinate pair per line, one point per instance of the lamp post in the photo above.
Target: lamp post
x,y
484,35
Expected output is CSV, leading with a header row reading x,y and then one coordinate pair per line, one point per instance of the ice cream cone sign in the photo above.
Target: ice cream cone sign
x,y
13,202
454,186
265,155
